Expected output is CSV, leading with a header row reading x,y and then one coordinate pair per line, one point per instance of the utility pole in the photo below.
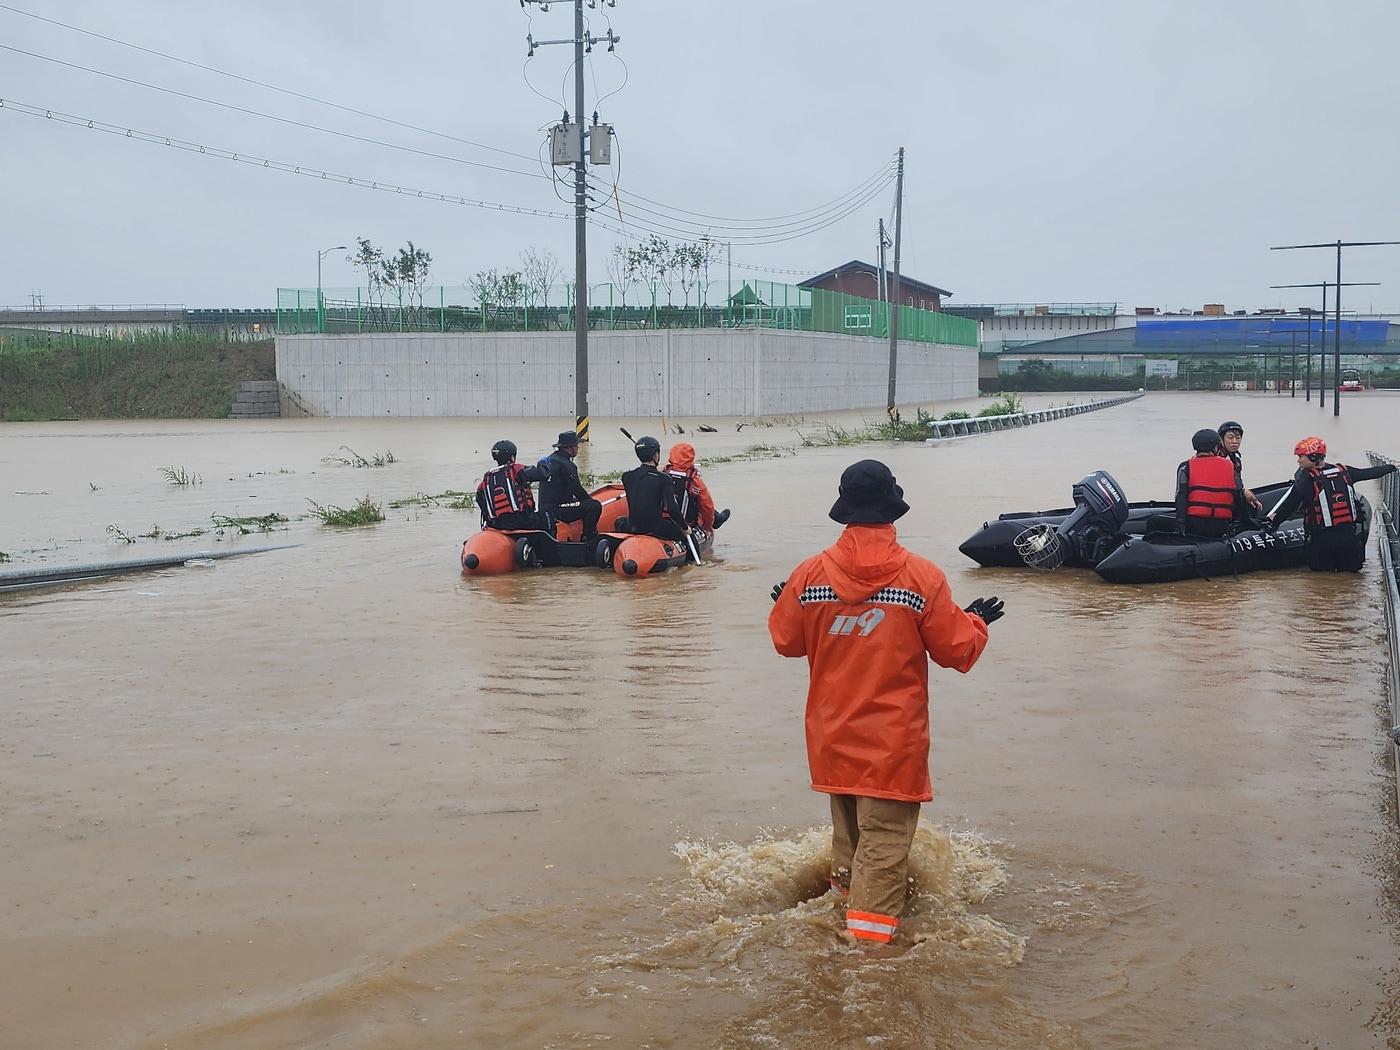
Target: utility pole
x,y
1322,351
1337,336
894,289
576,152
882,291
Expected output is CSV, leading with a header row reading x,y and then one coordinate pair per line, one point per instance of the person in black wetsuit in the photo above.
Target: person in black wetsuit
x,y
562,495
649,493
1331,508
1231,437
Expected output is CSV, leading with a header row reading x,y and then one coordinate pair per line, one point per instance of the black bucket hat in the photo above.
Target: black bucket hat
x,y
868,496
567,439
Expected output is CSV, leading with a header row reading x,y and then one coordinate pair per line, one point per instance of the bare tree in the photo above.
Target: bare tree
x,y
370,258
485,285
539,269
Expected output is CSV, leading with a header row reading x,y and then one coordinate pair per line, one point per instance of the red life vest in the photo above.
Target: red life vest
x,y
1210,488
504,493
1334,499
684,493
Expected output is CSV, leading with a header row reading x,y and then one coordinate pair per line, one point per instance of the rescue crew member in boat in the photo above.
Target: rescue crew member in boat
x,y
504,494
1231,437
1209,495
1331,510
652,507
562,495
868,615
693,495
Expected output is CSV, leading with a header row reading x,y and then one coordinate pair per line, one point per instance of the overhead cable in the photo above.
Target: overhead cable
x,y
263,83
270,116
11,106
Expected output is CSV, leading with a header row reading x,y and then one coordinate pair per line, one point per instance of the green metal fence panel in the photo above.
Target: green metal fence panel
x,y
740,303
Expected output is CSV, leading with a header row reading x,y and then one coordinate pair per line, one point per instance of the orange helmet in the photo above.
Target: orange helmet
x,y
1310,446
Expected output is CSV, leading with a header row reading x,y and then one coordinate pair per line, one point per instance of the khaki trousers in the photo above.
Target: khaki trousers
x,y
870,842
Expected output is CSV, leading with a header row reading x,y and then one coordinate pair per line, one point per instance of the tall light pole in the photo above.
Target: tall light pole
x,y
1337,350
320,299
1322,355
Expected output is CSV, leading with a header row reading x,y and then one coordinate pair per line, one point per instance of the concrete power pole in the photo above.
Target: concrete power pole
x,y
576,152
894,289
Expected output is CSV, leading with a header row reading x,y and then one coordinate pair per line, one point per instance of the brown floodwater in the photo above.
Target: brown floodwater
x,y
339,796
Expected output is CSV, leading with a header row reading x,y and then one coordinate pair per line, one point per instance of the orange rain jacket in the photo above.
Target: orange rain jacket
x,y
868,614
680,464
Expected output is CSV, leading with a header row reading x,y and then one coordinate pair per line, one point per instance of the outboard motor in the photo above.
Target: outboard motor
x,y
1089,533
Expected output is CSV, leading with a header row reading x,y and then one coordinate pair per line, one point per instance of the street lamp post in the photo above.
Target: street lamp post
x,y
320,299
1322,336
1337,348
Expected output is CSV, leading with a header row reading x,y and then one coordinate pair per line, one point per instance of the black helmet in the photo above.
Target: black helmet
x,y
647,449
1228,426
503,452
1205,441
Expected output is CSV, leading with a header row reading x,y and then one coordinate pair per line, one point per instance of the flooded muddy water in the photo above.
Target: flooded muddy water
x,y
339,796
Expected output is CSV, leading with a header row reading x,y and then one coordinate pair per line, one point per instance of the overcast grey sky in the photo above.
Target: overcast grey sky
x,y
1139,151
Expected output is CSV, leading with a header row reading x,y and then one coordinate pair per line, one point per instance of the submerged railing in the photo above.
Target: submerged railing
x,y
1390,558
949,428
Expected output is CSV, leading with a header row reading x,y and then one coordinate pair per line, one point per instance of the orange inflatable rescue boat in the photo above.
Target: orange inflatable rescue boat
x,y
492,552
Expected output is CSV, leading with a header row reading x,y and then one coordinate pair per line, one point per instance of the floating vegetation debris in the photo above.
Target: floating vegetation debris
x,y
451,499
750,453
157,533
591,480
1006,405
117,534
364,512
92,486
245,526
4,557
177,476
354,459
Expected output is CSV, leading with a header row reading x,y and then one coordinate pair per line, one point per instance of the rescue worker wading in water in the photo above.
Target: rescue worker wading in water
x,y
693,495
1331,513
868,615
504,494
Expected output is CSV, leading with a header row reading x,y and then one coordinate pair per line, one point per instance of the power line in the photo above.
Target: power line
x,y
885,170
871,189
760,238
11,106
625,194
269,116
261,83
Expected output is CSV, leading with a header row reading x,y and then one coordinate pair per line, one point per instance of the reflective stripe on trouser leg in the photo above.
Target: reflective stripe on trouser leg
x,y
844,834
871,926
881,862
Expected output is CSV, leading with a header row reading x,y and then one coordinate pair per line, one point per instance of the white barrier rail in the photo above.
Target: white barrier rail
x,y
947,428
1390,556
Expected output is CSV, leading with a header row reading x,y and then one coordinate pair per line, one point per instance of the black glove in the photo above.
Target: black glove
x,y
990,609
778,589
1268,525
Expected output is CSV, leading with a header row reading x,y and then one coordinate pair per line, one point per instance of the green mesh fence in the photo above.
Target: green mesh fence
x,y
705,304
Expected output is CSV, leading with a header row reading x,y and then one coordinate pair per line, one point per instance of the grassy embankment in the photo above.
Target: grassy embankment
x,y
66,376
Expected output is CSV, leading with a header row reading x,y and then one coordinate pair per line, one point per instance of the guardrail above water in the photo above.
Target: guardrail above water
x,y
951,428
1390,558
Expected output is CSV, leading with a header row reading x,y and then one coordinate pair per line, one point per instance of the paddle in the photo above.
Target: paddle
x,y
627,435
690,543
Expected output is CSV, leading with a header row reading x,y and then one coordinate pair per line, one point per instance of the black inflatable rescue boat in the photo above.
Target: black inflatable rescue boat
x,y
1105,532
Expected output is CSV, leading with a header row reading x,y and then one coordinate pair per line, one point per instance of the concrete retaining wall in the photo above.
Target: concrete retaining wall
x,y
678,372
